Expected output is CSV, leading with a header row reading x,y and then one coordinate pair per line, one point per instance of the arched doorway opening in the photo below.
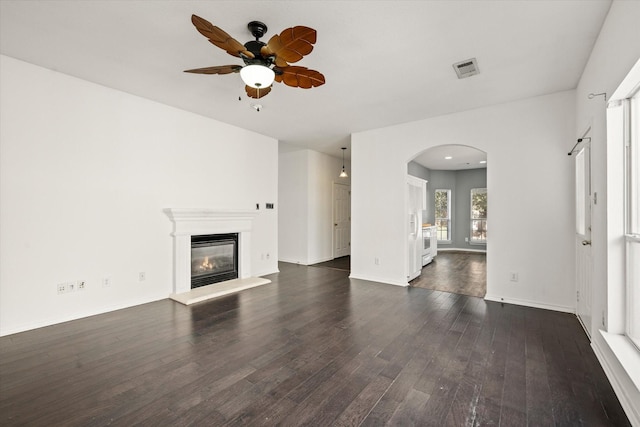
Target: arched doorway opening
x,y
455,209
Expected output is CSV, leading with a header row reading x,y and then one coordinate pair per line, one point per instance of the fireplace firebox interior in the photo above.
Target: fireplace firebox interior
x,y
214,258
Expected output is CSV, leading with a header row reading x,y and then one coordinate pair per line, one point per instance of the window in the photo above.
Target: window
x,y
622,329
632,226
443,215
478,215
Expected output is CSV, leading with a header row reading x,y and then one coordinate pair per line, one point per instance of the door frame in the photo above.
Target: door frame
x,y
584,251
334,219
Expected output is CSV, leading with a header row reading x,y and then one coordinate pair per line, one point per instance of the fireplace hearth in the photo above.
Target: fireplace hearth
x,y
214,259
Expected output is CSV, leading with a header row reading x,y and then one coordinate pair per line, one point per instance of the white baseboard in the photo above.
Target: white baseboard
x,y
297,261
630,406
533,304
265,272
14,329
379,280
319,260
483,251
292,261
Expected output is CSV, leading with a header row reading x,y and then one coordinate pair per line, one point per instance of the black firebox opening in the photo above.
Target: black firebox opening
x,y
214,258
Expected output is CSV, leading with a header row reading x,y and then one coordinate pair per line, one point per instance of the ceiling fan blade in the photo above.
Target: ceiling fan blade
x,y
291,45
302,77
219,37
252,92
219,69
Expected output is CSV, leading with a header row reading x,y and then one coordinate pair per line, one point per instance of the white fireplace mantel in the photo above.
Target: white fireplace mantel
x,y
196,222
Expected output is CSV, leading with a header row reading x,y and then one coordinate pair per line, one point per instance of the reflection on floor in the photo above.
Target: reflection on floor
x,y
457,272
312,348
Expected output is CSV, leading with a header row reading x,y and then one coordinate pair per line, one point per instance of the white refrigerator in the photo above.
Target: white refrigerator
x,y
415,187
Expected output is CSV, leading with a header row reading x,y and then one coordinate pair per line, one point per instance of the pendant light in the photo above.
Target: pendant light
x,y
343,174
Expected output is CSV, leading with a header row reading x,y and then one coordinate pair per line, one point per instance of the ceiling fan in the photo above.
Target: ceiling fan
x,y
264,62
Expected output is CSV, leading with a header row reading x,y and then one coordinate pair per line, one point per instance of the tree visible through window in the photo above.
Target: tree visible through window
x,y
443,215
478,215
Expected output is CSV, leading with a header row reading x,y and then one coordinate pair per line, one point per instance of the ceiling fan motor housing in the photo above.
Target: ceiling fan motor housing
x,y
257,28
254,47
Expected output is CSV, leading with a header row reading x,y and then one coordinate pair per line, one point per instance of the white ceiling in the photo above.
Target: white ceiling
x,y
452,157
385,62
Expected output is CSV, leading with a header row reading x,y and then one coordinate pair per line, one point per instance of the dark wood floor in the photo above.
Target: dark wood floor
x,y
341,263
455,271
311,348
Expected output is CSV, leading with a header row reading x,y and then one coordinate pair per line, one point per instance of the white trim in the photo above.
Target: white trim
x,y
533,304
379,280
323,259
463,249
27,326
292,261
619,358
333,218
627,355
629,85
194,222
630,407
308,263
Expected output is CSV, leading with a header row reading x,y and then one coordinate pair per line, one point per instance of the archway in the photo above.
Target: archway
x,y
456,211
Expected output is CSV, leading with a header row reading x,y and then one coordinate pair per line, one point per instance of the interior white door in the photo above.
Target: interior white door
x,y
583,236
341,220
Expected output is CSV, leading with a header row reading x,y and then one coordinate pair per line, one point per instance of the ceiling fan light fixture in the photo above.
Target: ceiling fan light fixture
x,y
257,76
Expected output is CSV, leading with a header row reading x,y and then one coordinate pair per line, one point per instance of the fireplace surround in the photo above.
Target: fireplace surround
x,y
202,222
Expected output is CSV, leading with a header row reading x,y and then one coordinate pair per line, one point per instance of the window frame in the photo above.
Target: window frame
x,y
473,241
619,130
632,219
449,238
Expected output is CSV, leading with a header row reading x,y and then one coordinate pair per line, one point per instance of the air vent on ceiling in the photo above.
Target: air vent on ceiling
x,y
466,68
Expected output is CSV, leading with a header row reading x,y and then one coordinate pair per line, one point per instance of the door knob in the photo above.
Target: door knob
x,y
586,242
335,225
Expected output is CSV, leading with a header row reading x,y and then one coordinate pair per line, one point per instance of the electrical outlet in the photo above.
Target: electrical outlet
x,y
81,285
106,282
142,276
513,276
61,288
268,256
376,261
466,239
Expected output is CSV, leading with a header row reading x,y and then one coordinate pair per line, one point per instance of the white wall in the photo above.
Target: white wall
x,y
305,221
531,229
293,215
85,174
615,52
